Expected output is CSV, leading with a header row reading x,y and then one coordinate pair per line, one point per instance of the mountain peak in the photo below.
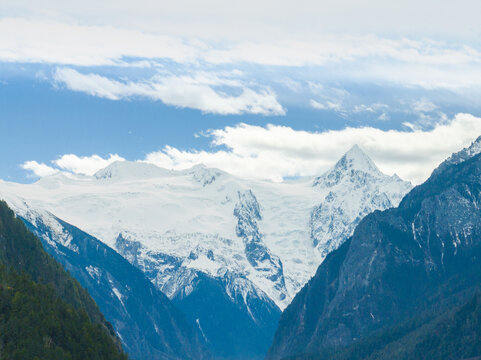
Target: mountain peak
x,y
356,159
120,170
461,156
203,174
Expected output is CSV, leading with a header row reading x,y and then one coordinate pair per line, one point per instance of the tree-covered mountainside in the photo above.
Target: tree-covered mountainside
x,y
149,325
440,333
44,312
36,324
403,263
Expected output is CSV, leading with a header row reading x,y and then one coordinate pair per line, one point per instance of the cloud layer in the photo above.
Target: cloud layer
x,y
266,19
417,61
275,152
86,45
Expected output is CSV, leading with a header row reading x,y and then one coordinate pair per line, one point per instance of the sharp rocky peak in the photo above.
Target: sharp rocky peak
x,y
355,160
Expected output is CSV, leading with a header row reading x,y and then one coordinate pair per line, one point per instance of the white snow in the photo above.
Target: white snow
x,y
118,294
200,328
93,271
179,212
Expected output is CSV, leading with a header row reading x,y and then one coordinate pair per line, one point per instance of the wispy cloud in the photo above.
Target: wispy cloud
x,y
195,92
328,105
423,105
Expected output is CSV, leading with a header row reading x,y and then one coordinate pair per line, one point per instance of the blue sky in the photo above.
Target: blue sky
x,y
259,89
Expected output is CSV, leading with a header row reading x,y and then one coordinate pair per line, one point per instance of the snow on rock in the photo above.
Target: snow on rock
x,y
353,188
204,175
54,231
267,265
125,170
460,156
94,272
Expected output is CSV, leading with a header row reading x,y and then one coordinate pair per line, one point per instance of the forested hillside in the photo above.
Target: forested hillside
x,y
45,313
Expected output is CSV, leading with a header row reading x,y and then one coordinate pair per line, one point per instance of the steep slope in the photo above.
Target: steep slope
x,y
398,262
44,313
146,321
255,243
443,332
244,319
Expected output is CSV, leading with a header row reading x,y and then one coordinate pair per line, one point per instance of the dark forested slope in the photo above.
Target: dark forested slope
x,y
45,313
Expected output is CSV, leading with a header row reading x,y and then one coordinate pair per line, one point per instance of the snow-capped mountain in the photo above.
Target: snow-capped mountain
x,y
353,188
258,241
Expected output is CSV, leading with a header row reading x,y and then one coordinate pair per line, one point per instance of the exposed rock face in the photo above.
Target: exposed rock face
x,y
247,212
395,260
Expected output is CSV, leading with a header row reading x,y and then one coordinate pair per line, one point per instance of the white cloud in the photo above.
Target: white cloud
x,y
39,169
317,105
274,152
195,92
71,163
328,105
329,98
278,151
266,19
67,43
423,105
339,100
383,117
370,108
84,165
